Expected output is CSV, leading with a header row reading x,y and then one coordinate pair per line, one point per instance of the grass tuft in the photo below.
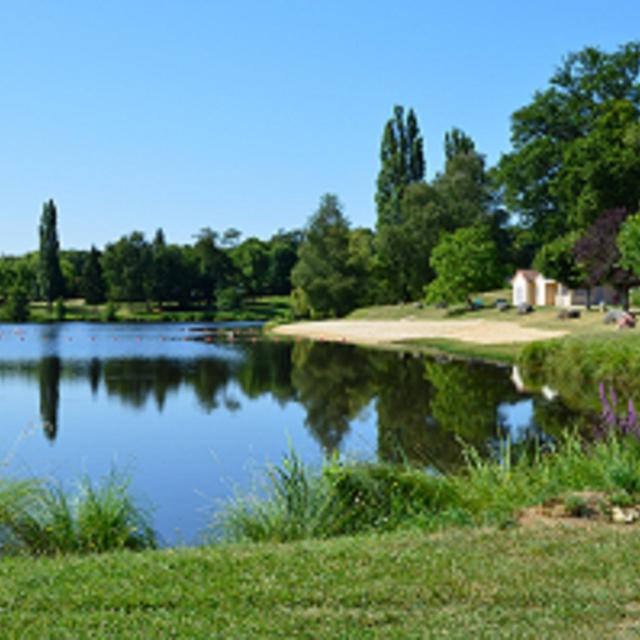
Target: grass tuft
x,y
43,519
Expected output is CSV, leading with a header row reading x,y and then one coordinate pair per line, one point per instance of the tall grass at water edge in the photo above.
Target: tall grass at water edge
x,y
349,498
41,518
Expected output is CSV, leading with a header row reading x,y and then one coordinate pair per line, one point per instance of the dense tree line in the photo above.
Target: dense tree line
x,y
217,269
560,200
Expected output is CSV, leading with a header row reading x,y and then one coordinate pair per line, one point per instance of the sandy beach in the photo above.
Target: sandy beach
x,y
375,332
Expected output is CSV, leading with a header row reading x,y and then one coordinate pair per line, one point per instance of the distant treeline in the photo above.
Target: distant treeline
x,y
216,269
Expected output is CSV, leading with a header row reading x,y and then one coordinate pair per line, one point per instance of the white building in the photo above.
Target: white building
x,y
531,287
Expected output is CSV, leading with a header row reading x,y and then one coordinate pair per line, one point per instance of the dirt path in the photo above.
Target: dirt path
x,y
385,331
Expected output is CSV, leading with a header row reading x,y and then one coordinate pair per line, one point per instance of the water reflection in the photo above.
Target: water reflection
x,y
425,409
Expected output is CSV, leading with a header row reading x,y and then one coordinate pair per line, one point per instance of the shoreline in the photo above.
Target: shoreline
x,y
377,332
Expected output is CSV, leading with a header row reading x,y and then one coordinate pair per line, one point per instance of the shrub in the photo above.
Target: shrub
x,y
111,311
16,308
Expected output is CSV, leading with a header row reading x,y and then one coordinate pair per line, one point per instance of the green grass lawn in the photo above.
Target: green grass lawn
x,y
544,582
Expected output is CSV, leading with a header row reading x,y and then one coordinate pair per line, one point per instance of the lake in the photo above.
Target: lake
x,y
194,417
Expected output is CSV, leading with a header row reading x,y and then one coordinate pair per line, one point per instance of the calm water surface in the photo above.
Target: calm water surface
x,y
194,421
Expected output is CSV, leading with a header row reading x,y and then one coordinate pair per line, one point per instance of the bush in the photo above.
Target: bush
x,y
59,309
16,308
229,299
111,312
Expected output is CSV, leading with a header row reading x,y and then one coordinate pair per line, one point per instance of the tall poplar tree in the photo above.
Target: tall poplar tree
x,y
402,164
50,280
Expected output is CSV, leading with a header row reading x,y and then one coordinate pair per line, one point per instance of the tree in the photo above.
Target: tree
x,y
628,242
597,251
465,261
575,147
323,274
161,275
464,190
557,260
283,255
251,260
402,164
460,196
50,280
93,285
16,308
127,268
215,268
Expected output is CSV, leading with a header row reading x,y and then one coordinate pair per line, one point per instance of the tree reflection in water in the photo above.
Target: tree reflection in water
x,y
425,408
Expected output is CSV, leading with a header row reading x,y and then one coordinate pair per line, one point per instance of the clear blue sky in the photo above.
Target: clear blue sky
x,y
185,114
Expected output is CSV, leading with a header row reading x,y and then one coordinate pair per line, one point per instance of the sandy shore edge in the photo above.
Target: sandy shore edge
x,y
377,332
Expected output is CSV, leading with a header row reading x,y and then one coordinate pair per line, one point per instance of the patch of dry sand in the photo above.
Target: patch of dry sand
x,y
386,331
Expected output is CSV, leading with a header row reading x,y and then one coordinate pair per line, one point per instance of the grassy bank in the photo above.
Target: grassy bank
x,y
571,576
578,365
266,308
551,582
588,327
351,498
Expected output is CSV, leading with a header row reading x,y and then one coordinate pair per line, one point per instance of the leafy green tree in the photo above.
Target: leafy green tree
x,y
161,276
127,268
401,164
362,263
251,260
575,147
215,270
465,261
464,190
283,255
323,273
50,280
557,260
93,285
16,308
459,196
628,242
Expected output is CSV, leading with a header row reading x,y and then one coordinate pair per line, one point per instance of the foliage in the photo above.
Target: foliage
x,y
41,519
598,253
557,260
575,147
324,272
93,285
50,280
111,311
401,164
612,420
59,309
628,242
350,498
465,261
299,506
16,307
576,366
229,299
126,265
